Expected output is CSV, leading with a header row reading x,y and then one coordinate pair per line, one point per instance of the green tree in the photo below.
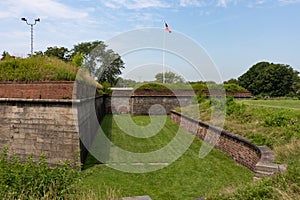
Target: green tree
x,y
170,77
85,48
5,55
269,79
110,68
60,52
103,64
231,81
77,59
125,82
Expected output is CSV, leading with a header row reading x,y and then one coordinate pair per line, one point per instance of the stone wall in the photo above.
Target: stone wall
x,y
35,126
141,102
241,150
157,105
90,114
31,127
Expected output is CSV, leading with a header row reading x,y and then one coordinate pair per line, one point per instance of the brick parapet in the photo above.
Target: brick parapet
x,y
47,90
240,149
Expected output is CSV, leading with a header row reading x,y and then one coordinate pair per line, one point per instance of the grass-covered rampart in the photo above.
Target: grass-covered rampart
x,y
36,68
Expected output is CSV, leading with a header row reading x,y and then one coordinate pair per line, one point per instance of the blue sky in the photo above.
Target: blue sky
x,y
236,34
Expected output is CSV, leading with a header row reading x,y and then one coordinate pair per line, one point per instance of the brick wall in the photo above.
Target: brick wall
x,y
46,90
39,90
237,147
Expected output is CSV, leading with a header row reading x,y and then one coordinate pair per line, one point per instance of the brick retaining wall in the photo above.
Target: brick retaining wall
x,y
241,150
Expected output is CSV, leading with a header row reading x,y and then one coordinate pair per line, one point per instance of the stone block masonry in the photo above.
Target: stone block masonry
x,y
144,102
41,117
32,127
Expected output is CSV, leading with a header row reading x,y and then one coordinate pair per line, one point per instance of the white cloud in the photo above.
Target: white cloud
x,y
42,8
288,1
135,4
222,3
196,3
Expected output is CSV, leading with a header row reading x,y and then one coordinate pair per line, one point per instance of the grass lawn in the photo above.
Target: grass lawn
x,y
187,178
288,104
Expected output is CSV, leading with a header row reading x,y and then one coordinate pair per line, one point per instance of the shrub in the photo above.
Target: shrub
x,y
230,105
35,180
277,119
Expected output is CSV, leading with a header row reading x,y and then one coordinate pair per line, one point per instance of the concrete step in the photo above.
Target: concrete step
x,y
270,167
263,173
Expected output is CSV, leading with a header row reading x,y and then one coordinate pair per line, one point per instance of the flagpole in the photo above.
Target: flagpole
x,y
164,54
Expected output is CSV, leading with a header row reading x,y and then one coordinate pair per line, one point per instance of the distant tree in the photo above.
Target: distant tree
x,y
170,77
269,79
125,82
4,55
39,53
231,81
60,52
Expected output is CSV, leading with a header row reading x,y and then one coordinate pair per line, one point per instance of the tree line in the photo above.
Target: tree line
x,y
270,79
102,64
262,79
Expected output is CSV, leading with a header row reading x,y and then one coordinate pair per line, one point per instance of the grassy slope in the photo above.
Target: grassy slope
x,y
187,178
36,68
274,123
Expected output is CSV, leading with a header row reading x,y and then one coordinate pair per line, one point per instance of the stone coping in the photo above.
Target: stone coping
x,y
37,82
51,101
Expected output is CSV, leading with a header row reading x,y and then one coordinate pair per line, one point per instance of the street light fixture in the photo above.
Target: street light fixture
x,y
31,26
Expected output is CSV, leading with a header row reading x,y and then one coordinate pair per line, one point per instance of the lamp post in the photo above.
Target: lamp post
x,y
31,26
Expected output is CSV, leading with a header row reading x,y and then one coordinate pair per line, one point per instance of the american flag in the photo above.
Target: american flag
x,y
167,28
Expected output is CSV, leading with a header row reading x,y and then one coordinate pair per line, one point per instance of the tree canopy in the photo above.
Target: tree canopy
x,y
170,77
103,64
270,79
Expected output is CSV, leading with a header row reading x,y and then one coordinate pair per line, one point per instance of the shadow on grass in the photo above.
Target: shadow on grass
x,y
106,126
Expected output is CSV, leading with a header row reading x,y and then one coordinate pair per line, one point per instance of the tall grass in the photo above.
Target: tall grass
x,y
274,123
36,68
35,179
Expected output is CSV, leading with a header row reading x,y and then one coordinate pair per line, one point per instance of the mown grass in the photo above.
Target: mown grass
x,y
275,103
187,178
274,123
